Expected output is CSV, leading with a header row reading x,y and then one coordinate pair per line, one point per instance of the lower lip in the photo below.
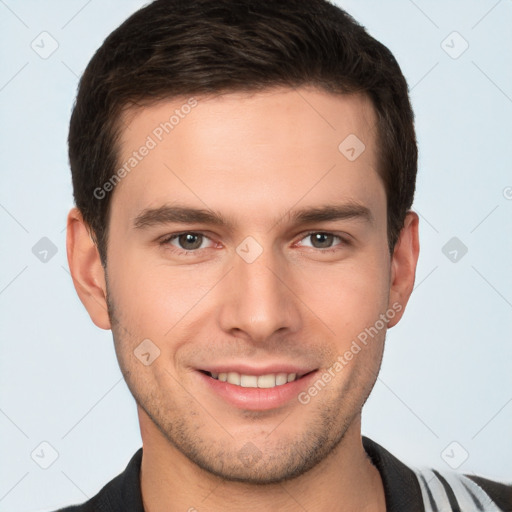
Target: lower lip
x,y
258,399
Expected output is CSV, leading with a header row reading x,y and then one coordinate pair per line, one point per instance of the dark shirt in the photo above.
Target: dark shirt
x,y
405,489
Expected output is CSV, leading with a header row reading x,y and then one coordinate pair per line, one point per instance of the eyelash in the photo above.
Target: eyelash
x,y
166,241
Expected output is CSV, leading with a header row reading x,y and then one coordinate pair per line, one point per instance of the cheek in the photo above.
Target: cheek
x,y
151,299
347,297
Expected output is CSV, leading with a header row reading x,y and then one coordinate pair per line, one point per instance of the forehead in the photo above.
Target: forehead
x,y
243,151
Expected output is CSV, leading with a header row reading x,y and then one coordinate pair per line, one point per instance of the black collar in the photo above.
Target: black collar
x,y
401,487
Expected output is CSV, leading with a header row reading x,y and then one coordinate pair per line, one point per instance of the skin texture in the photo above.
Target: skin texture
x,y
254,159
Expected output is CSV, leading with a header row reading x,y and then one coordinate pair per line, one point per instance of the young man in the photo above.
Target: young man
x,y
243,172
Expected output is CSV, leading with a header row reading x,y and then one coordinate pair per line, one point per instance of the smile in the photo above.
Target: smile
x,y
269,380
257,388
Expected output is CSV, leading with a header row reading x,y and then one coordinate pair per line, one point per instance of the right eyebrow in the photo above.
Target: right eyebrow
x,y
180,214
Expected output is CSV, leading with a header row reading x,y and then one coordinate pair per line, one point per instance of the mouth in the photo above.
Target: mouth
x,y
265,381
256,387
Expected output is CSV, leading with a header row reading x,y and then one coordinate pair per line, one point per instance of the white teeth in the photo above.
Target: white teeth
x,y
234,378
266,381
281,378
270,380
249,381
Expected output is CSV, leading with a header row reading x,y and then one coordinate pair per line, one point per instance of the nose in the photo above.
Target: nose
x,y
257,300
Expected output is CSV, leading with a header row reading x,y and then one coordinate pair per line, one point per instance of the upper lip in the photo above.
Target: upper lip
x,y
245,369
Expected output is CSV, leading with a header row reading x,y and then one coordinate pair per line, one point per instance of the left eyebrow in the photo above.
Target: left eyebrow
x,y
346,211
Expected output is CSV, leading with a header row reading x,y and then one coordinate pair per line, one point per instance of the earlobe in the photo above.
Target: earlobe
x,y
403,266
86,269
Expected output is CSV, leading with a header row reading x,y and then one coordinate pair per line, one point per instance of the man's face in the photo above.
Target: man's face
x,y
266,293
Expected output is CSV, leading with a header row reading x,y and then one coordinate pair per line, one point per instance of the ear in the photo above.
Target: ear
x,y
403,266
86,269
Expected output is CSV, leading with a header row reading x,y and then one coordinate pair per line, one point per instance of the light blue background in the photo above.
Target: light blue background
x,y
446,374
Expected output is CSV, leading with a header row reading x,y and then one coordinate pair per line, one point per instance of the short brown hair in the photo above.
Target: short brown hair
x,y
173,48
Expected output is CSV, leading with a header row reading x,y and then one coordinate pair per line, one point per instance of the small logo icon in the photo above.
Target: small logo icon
x,y
454,45
454,455
44,45
351,147
249,250
44,455
454,249
146,352
507,193
249,454
44,250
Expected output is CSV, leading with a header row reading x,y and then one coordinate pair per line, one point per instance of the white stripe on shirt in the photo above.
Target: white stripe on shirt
x,y
463,488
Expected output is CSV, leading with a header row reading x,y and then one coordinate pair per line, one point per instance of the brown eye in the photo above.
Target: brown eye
x,y
187,242
190,241
324,241
321,240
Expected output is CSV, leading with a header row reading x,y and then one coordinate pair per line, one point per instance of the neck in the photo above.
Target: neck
x,y
343,482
